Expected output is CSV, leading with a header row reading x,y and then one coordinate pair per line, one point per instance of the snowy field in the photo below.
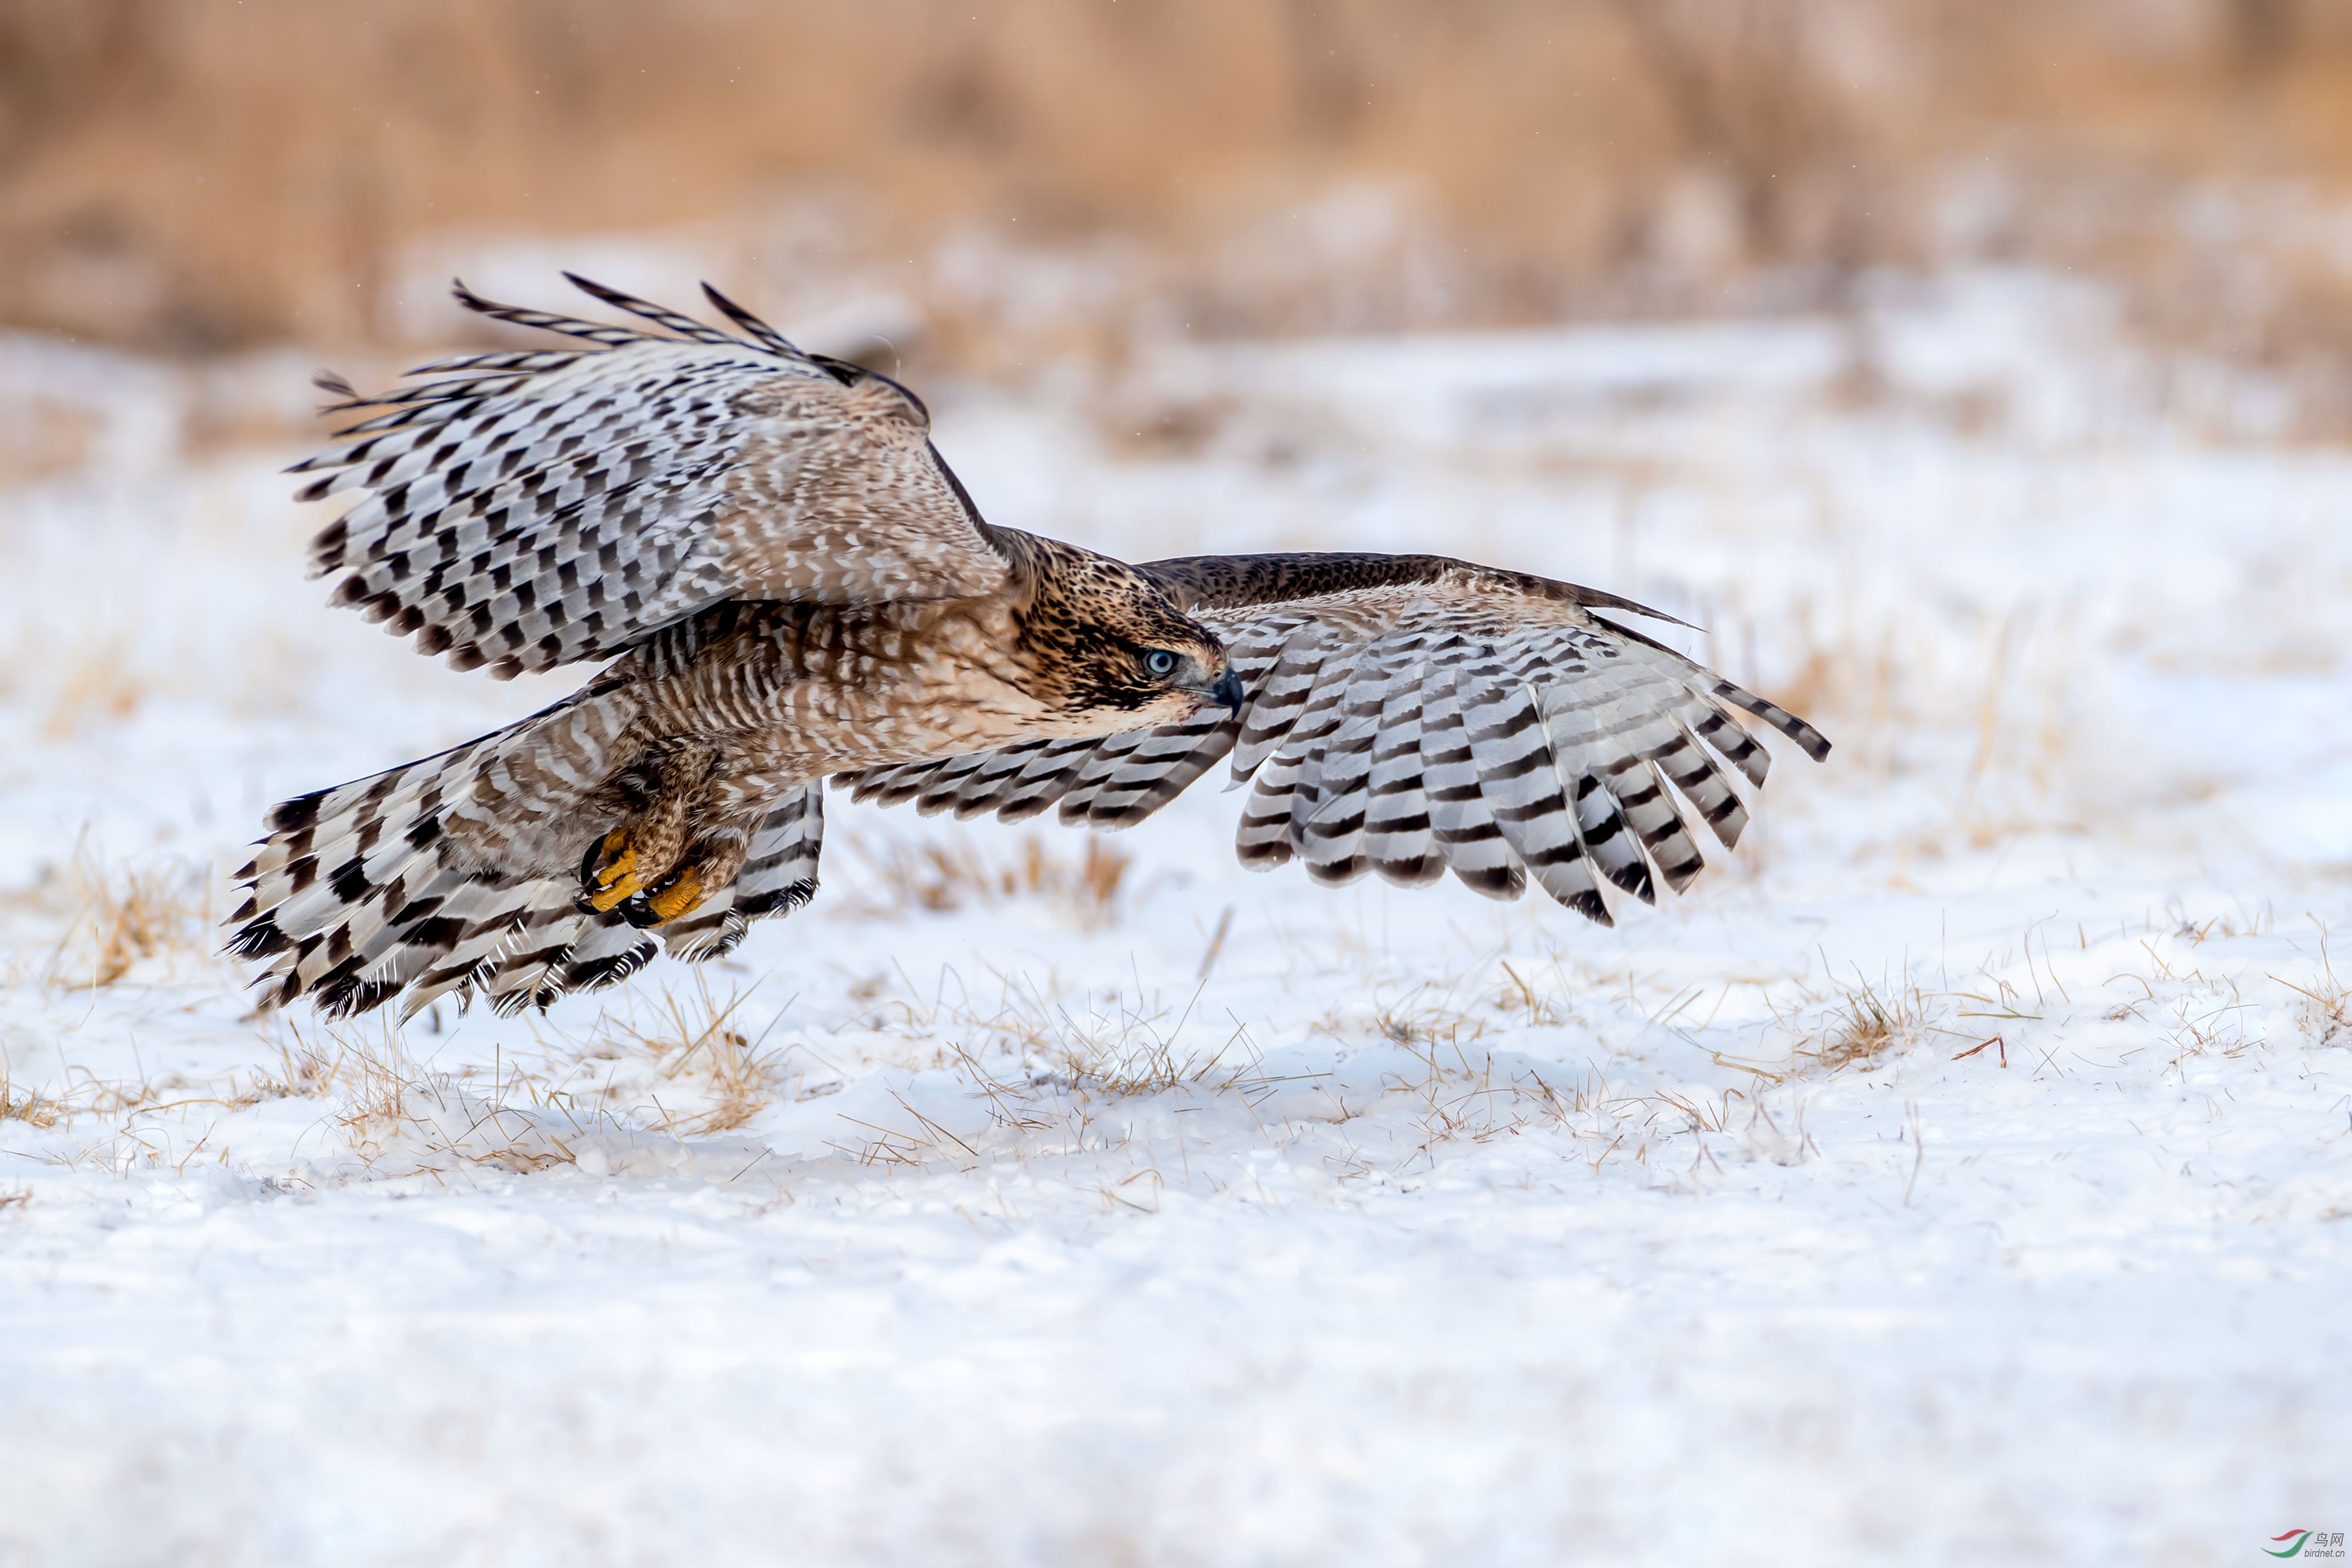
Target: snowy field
x,y
1961,1174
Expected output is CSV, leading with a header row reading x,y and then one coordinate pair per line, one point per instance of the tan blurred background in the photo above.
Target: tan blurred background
x,y
985,183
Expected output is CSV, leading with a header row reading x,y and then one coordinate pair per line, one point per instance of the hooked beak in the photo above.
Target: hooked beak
x,y
1229,692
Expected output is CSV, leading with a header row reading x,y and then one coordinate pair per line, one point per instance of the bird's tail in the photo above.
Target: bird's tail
x,y
361,892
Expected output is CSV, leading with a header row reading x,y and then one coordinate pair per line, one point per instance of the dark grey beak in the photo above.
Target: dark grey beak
x,y
1229,692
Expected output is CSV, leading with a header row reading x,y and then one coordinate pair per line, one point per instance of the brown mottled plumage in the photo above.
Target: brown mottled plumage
x,y
791,585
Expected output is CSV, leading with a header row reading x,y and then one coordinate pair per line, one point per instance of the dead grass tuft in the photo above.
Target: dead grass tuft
x,y
1428,1019
303,1071
132,914
80,1094
98,686
1518,995
27,1106
402,1119
676,1060
2327,1009
1863,1024
1111,1045
115,916
683,1043
939,876
1132,1058
374,1082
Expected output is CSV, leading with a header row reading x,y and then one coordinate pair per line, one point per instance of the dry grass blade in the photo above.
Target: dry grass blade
x,y
400,1118
1128,1054
2326,1003
26,1105
680,1058
1863,1024
78,1093
938,876
1520,995
373,1079
115,916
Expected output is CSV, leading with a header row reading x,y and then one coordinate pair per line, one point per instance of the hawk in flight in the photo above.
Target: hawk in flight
x,y
784,583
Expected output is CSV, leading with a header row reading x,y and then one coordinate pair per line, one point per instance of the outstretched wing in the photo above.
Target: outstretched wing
x,y
525,510
1409,715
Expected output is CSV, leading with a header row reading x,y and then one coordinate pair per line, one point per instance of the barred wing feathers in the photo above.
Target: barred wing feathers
x,y
525,510
361,893
1408,716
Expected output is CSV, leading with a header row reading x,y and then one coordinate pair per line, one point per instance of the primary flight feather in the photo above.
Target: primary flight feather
x,y
790,586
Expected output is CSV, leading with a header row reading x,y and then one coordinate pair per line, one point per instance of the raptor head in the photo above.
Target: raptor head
x,y
1112,652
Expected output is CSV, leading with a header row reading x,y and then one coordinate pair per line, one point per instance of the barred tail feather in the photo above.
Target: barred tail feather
x,y
360,895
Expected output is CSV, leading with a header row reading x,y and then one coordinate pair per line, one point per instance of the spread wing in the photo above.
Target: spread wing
x,y
1407,715
525,510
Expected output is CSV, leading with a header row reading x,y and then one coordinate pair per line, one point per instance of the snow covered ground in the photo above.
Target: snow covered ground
x,y
1963,1173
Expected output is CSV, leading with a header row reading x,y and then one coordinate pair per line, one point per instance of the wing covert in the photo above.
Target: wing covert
x,y
528,509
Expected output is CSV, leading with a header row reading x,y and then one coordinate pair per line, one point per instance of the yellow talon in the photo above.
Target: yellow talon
x,y
619,879
616,844
676,898
619,892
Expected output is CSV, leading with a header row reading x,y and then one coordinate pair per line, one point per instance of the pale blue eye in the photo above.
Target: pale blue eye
x,y
1160,661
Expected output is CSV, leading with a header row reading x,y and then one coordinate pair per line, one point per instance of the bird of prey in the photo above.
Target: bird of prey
x,y
784,583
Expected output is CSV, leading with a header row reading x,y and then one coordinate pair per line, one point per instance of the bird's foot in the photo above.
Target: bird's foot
x,y
709,864
645,852
616,877
614,871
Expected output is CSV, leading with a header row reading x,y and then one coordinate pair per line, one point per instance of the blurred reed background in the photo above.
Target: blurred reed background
x,y
993,185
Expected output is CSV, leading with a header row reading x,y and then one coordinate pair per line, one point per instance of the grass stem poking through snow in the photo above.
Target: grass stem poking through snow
x,y
939,876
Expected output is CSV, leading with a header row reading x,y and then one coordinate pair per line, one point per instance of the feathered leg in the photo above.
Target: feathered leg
x,y
666,857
